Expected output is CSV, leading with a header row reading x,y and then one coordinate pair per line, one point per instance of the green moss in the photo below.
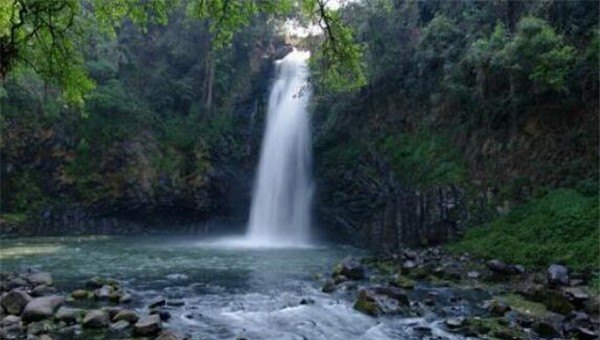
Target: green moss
x,y
518,303
494,328
423,159
559,227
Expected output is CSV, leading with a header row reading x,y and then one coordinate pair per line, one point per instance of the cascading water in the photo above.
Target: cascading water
x,y
281,203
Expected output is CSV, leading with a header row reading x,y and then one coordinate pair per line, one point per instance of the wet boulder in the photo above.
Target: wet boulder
x,y
158,301
41,278
15,301
497,308
454,323
125,298
169,334
147,325
402,281
80,294
41,308
104,292
328,287
41,290
127,315
96,319
557,275
375,301
119,329
546,329
69,315
95,282
163,314
350,268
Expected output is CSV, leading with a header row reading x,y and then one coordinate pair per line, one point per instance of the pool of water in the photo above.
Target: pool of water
x,y
229,291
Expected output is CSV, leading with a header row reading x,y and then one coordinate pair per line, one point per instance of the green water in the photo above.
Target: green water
x,y
228,291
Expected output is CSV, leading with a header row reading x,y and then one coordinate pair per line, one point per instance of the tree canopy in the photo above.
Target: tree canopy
x,y
47,35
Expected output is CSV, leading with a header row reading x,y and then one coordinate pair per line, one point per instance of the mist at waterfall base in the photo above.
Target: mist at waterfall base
x,y
280,214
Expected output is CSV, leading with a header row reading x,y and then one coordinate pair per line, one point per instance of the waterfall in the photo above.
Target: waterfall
x,y
280,214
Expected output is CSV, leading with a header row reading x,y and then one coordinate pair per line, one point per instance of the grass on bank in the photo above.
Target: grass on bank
x,y
561,227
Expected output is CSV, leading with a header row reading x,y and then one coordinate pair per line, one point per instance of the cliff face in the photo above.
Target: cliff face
x,y
130,166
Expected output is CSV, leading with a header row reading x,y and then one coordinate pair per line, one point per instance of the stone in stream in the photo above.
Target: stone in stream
x,y
104,292
176,303
147,325
10,319
402,282
15,301
80,294
157,302
42,290
96,319
125,298
41,308
163,314
69,315
119,326
127,315
41,278
546,329
40,327
473,275
95,282
454,323
16,283
409,264
328,287
350,268
112,311
169,334
375,301
557,275
496,307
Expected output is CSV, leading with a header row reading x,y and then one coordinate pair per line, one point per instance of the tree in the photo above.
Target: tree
x,y
46,35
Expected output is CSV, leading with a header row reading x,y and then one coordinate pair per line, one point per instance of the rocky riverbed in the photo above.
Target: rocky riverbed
x,y
200,293
483,299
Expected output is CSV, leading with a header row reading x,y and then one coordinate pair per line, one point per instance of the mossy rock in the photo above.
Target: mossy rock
x,y
523,306
402,282
554,300
418,273
80,294
366,304
492,327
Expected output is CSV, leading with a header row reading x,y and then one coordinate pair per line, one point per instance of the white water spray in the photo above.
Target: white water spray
x,y
281,202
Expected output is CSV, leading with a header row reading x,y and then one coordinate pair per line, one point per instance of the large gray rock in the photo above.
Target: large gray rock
x,y
69,315
41,308
557,275
10,320
127,315
120,326
350,268
15,301
41,278
147,325
104,292
96,319
157,302
41,290
169,334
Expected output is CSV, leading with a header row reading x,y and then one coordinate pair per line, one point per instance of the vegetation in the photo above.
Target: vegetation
x,y
561,227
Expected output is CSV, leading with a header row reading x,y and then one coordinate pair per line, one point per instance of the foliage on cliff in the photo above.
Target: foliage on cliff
x,y
560,227
154,133
497,97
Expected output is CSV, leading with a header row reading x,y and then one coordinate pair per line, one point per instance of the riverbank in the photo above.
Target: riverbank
x,y
315,293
